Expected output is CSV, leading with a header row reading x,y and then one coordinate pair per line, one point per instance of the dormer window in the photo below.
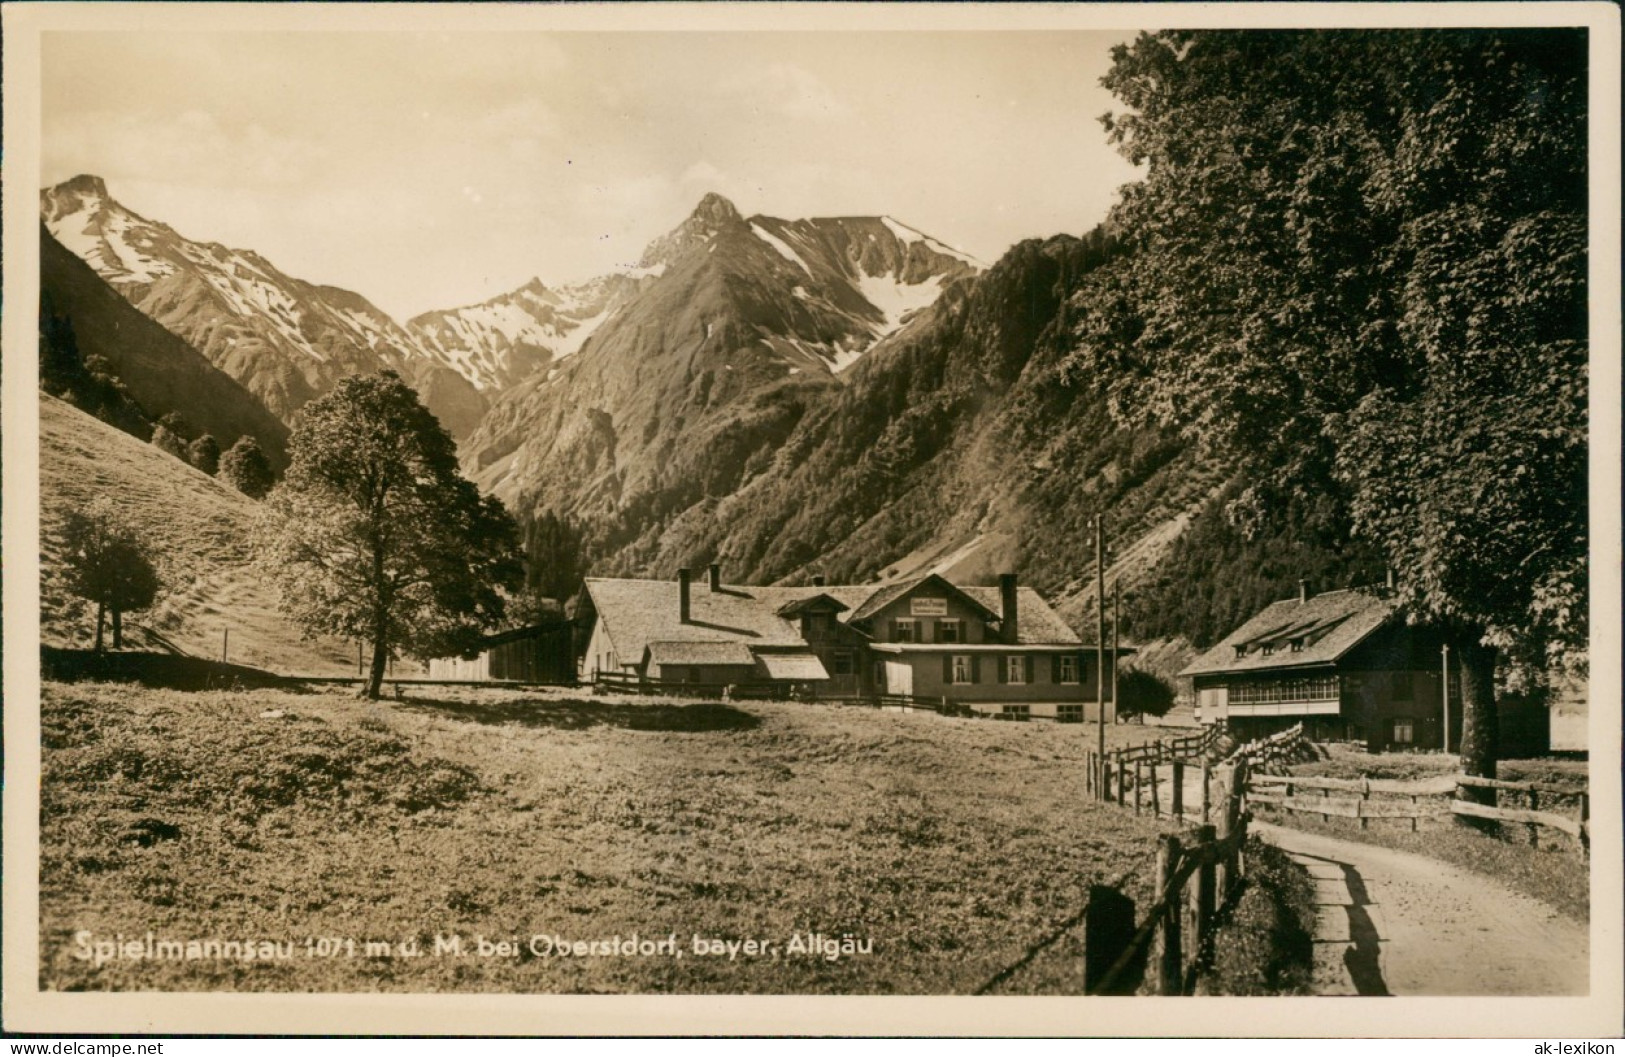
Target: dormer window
x,y
1297,645
1241,649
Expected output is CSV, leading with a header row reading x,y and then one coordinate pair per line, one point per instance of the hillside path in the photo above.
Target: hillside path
x,y
1393,923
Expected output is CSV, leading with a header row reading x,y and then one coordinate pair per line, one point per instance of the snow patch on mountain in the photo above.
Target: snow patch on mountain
x,y
781,247
909,236
897,300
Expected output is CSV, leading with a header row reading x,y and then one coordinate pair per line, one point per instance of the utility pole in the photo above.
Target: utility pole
x,y
1100,636
1114,647
1444,697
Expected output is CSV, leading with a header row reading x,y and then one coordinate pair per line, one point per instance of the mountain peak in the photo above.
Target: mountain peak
x,y
85,184
716,209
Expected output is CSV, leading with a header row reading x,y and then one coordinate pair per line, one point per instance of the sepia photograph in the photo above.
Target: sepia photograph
x,y
790,503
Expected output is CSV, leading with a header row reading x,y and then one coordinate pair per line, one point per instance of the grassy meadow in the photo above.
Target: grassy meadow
x,y
953,849
199,531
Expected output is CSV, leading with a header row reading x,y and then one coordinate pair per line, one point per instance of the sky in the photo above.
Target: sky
x,y
432,170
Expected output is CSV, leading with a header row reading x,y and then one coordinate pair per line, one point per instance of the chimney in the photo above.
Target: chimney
x,y
1390,573
716,577
818,579
682,595
1303,592
1008,617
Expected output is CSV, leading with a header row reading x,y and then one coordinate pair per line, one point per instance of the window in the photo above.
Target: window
x,y
1404,732
950,631
1403,690
1069,669
843,662
1263,691
880,673
961,671
815,624
905,631
693,675
1015,668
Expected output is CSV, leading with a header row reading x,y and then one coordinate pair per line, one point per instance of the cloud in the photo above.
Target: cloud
x,y
787,90
193,146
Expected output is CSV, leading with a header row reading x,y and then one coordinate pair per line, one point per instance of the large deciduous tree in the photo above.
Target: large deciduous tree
x,y
1357,268
374,535
109,565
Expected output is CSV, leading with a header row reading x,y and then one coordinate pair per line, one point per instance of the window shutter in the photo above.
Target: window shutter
x,y
947,669
928,631
1004,669
1029,667
976,668
1055,668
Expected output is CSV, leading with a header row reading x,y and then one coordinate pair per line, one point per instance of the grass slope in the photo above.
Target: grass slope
x,y
959,848
199,529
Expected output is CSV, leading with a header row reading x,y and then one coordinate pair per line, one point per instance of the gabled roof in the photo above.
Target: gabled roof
x,y
886,594
641,613
1036,622
1324,627
822,602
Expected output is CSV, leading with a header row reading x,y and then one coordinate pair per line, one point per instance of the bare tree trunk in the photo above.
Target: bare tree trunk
x,y
380,658
1479,735
118,629
101,618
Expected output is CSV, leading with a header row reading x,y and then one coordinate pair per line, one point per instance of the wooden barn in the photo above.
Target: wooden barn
x,y
537,653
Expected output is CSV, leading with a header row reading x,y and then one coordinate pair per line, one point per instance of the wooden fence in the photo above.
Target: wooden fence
x,y
1274,752
1428,799
1109,777
1175,937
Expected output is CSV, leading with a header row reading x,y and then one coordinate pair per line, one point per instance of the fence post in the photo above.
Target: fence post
x,y
1169,974
1138,781
1205,901
1207,786
1585,817
1178,784
1534,805
1365,798
1156,800
1414,809
1122,782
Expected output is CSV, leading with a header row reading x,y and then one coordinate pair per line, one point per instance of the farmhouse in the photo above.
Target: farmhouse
x,y
1001,650
1342,663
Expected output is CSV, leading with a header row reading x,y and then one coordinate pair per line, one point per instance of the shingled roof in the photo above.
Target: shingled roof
x,y
641,613
1324,627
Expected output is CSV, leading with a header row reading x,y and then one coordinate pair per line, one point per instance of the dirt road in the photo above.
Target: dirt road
x,y
1393,923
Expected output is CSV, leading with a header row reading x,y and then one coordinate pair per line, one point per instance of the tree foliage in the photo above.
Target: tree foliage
x,y
204,453
88,383
374,535
1143,693
555,560
1359,260
109,565
245,467
1358,269
168,442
